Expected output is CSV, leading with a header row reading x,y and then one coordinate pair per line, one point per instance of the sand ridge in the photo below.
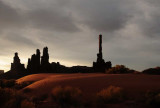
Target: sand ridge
x,y
133,84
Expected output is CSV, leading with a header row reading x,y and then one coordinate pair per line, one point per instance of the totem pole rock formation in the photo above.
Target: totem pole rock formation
x,y
38,64
45,57
34,63
29,64
38,57
16,65
100,65
45,65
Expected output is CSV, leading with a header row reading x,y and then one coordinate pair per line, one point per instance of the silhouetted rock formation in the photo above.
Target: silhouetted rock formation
x,y
17,69
100,65
38,57
80,69
34,63
38,64
56,67
29,65
45,65
16,65
45,57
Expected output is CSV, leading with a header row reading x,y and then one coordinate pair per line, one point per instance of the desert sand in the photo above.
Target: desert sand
x,y
135,85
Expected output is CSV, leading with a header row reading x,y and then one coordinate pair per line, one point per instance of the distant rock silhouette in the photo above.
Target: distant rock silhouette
x,y
38,64
38,57
45,57
34,63
29,65
45,65
41,64
17,69
16,65
100,65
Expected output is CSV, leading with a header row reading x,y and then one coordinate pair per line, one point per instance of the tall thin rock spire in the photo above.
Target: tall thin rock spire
x,y
45,57
100,65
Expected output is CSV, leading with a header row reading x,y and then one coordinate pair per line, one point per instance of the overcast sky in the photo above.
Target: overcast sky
x,y
70,29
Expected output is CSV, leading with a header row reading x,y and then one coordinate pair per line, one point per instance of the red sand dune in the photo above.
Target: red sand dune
x,y
134,84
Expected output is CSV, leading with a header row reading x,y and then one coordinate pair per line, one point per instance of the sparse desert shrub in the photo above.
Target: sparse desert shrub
x,y
119,69
7,83
11,103
42,97
66,96
27,90
23,84
152,71
5,95
19,103
27,104
39,98
110,95
153,99
10,98
15,100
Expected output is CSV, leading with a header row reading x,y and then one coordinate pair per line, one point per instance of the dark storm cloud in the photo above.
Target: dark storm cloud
x,y
19,39
9,17
70,29
66,16
52,20
147,19
154,2
44,19
103,15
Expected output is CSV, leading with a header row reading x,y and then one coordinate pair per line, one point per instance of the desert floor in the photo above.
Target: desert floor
x,y
135,85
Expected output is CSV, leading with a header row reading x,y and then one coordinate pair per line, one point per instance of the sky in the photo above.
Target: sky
x,y
70,29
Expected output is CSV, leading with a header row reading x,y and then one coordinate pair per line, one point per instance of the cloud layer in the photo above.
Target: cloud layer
x,y
70,29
